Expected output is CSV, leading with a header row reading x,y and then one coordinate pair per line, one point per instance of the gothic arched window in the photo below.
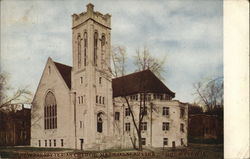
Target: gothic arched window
x,y
103,40
85,48
79,50
50,111
103,48
95,47
99,122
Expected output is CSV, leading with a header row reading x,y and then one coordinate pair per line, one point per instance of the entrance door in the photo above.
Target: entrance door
x,y
81,143
173,144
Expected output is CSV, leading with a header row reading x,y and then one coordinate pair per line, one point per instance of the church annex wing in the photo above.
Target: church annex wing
x,y
138,82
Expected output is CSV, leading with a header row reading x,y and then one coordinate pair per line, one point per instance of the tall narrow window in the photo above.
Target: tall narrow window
x,y
182,112
127,126
39,143
61,142
100,100
95,48
103,49
127,112
182,127
117,115
144,126
99,122
100,80
81,80
50,112
143,141
165,126
85,48
79,50
165,141
165,111
54,143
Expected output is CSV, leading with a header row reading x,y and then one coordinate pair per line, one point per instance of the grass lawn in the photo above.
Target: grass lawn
x,y
193,151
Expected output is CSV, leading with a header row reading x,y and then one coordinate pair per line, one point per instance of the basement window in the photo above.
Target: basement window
x,y
143,141
81,80
61,142
165,141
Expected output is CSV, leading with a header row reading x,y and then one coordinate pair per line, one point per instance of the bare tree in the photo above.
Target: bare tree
x,y
119,60
194,109
137,123
143,60
10,97
210,94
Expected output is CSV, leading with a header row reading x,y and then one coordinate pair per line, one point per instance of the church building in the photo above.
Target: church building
x,y
82,107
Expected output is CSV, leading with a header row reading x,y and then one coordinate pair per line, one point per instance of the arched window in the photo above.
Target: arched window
x,y
50,111
100,100
99,122
85,48
103,49
95,48
49,70
103,40
79,50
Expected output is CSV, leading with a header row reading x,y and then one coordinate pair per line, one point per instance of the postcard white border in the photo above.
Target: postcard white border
x,y
236,73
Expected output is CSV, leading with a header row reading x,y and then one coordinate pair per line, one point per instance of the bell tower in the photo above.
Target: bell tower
x,y
91,78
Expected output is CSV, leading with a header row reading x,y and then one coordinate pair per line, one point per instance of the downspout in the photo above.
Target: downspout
x,y
123,117
74,102
151,123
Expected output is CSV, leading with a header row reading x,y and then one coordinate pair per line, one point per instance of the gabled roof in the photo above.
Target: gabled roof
x,y
137,83
126,85
65,71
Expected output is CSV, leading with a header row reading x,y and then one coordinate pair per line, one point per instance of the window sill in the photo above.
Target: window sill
x,y
101,105
166,116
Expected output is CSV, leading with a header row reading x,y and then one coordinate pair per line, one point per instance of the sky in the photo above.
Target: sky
x,y
189,33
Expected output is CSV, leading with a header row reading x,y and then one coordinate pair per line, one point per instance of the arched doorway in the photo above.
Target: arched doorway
x,y
100,122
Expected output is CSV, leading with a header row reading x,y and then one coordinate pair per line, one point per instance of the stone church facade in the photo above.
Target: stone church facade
x,y
82,107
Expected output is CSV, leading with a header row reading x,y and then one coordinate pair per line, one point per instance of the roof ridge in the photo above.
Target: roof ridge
x,y
65,72
134,73
61,63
